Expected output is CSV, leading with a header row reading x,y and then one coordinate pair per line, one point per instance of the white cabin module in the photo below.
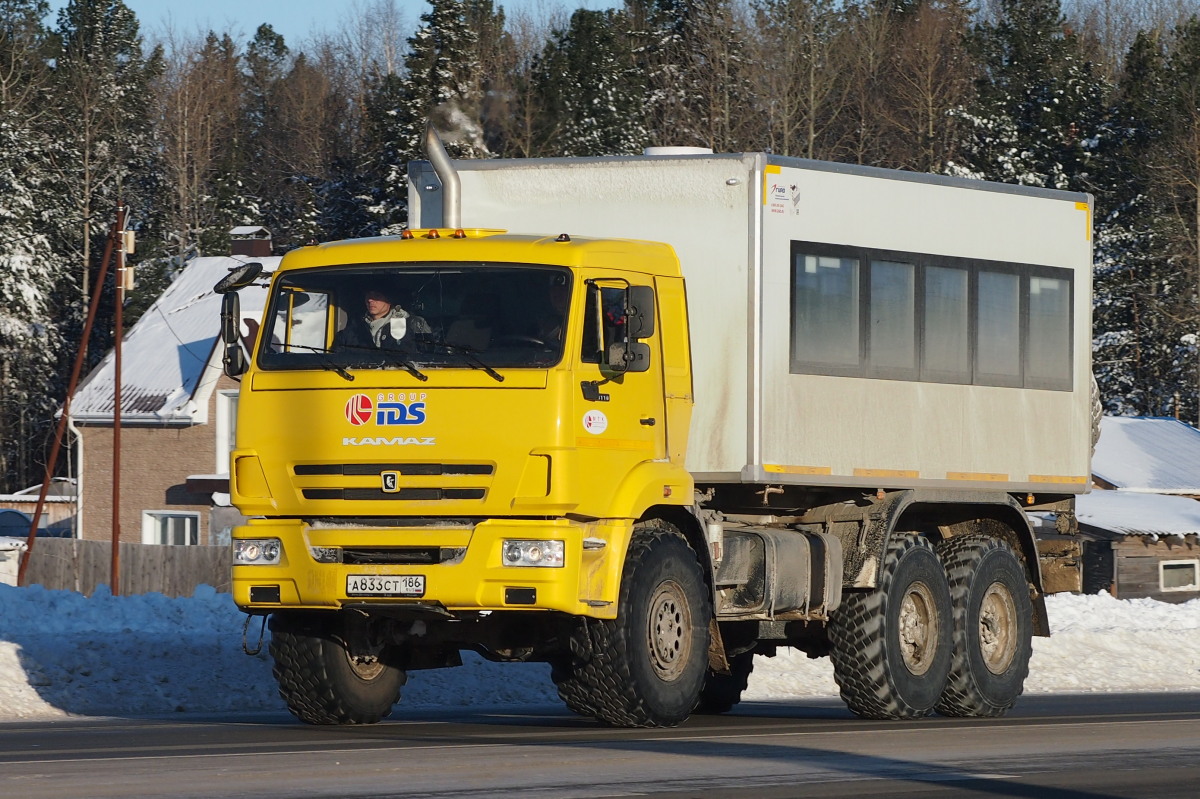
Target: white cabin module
x,y
850,326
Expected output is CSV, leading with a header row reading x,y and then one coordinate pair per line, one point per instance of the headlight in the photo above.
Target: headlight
x,y
256,551
533,553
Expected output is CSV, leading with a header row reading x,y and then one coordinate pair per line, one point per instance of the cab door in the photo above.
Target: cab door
x,y
619,418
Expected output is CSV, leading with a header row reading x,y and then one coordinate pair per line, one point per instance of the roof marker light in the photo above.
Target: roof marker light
x,y
459,233
432,234
406,234
563,237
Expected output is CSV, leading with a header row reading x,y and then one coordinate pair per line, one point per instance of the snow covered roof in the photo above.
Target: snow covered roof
x,y
253,231
170,358
1153,515
1161,456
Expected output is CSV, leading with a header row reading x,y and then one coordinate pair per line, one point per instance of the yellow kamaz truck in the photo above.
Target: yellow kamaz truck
x,y
644,418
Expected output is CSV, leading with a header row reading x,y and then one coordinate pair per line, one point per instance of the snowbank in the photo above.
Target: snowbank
x,y
64,654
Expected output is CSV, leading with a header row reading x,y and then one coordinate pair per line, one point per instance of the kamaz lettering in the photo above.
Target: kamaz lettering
x,y
380,441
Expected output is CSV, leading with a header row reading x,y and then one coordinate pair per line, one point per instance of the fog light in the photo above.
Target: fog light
x,y
546,554
256,551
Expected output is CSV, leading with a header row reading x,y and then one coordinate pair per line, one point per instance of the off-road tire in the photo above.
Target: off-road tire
x,y
319,680
648,665
993,627
722,691
891,646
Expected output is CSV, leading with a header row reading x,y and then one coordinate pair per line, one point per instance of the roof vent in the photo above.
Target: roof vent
x,y
677,151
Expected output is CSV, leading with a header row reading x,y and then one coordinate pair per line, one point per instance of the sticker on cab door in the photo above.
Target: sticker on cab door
x,y
595,422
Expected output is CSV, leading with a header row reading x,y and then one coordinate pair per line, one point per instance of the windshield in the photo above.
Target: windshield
x,y
424,315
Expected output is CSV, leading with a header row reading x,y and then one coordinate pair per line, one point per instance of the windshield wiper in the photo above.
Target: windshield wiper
x,y
471,358
327,363
390,358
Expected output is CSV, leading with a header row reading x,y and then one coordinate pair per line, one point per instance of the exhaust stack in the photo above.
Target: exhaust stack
x,y
435,151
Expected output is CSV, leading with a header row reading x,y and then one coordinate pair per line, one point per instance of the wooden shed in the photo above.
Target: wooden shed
x,y
1141,524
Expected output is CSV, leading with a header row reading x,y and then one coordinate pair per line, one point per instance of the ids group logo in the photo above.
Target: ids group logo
x,y
358,409
387,409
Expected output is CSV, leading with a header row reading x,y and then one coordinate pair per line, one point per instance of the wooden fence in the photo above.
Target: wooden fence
x,y
73,565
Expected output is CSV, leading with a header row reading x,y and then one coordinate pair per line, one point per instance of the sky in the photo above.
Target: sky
x,y
63,654
295,20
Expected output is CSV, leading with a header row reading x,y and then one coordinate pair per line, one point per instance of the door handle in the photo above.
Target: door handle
x,y
647,420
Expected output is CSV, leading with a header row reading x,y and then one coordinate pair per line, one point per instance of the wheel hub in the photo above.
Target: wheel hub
x,y
366,667
918,627
997,628
669,631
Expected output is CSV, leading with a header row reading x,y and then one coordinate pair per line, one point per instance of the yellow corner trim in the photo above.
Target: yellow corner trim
x,y
613,443
886,473
769,169
776,468
1087,218
1058,478
978,477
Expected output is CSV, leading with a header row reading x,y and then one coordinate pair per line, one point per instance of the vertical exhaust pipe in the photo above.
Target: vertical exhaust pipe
x,y
435,151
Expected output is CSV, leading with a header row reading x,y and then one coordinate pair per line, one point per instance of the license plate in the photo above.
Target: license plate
x,y
385,585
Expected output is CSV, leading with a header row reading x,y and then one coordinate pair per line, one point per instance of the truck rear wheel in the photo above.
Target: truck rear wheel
x,y
324,683
993,627
891,645
648,664
722,691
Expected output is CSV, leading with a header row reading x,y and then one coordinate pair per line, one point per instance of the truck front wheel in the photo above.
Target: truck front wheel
x,y
648,665
993,627
891,646
322,680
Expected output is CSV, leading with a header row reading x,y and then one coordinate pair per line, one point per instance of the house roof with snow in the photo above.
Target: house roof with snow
x,y
1142,454
171,359
1151,515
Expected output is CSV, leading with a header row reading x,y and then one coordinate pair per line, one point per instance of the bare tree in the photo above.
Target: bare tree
x,y
931,74
799,57
199,106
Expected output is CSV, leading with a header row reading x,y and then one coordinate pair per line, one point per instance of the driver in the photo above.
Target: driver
x,y
385,325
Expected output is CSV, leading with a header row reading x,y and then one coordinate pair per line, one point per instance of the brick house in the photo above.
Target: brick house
x,y
178,413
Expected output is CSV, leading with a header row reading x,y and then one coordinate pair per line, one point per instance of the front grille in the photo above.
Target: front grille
x,y
394,555
375,469
403,495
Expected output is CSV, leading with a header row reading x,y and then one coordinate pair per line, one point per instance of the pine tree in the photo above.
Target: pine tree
x,y
102,95
1039,106
1136,317
32,274
440,85
588,91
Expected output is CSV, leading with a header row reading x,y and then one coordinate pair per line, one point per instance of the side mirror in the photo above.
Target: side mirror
x,y
231,318
639,312
239,277
630,356
234,360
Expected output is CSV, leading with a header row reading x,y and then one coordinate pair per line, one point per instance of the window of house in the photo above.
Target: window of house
x,y
1179,575
226,428
170,527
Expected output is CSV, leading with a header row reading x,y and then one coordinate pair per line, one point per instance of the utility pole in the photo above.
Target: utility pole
x,y
123,281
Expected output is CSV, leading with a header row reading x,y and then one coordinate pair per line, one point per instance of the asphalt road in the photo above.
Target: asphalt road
x,y
1074,747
